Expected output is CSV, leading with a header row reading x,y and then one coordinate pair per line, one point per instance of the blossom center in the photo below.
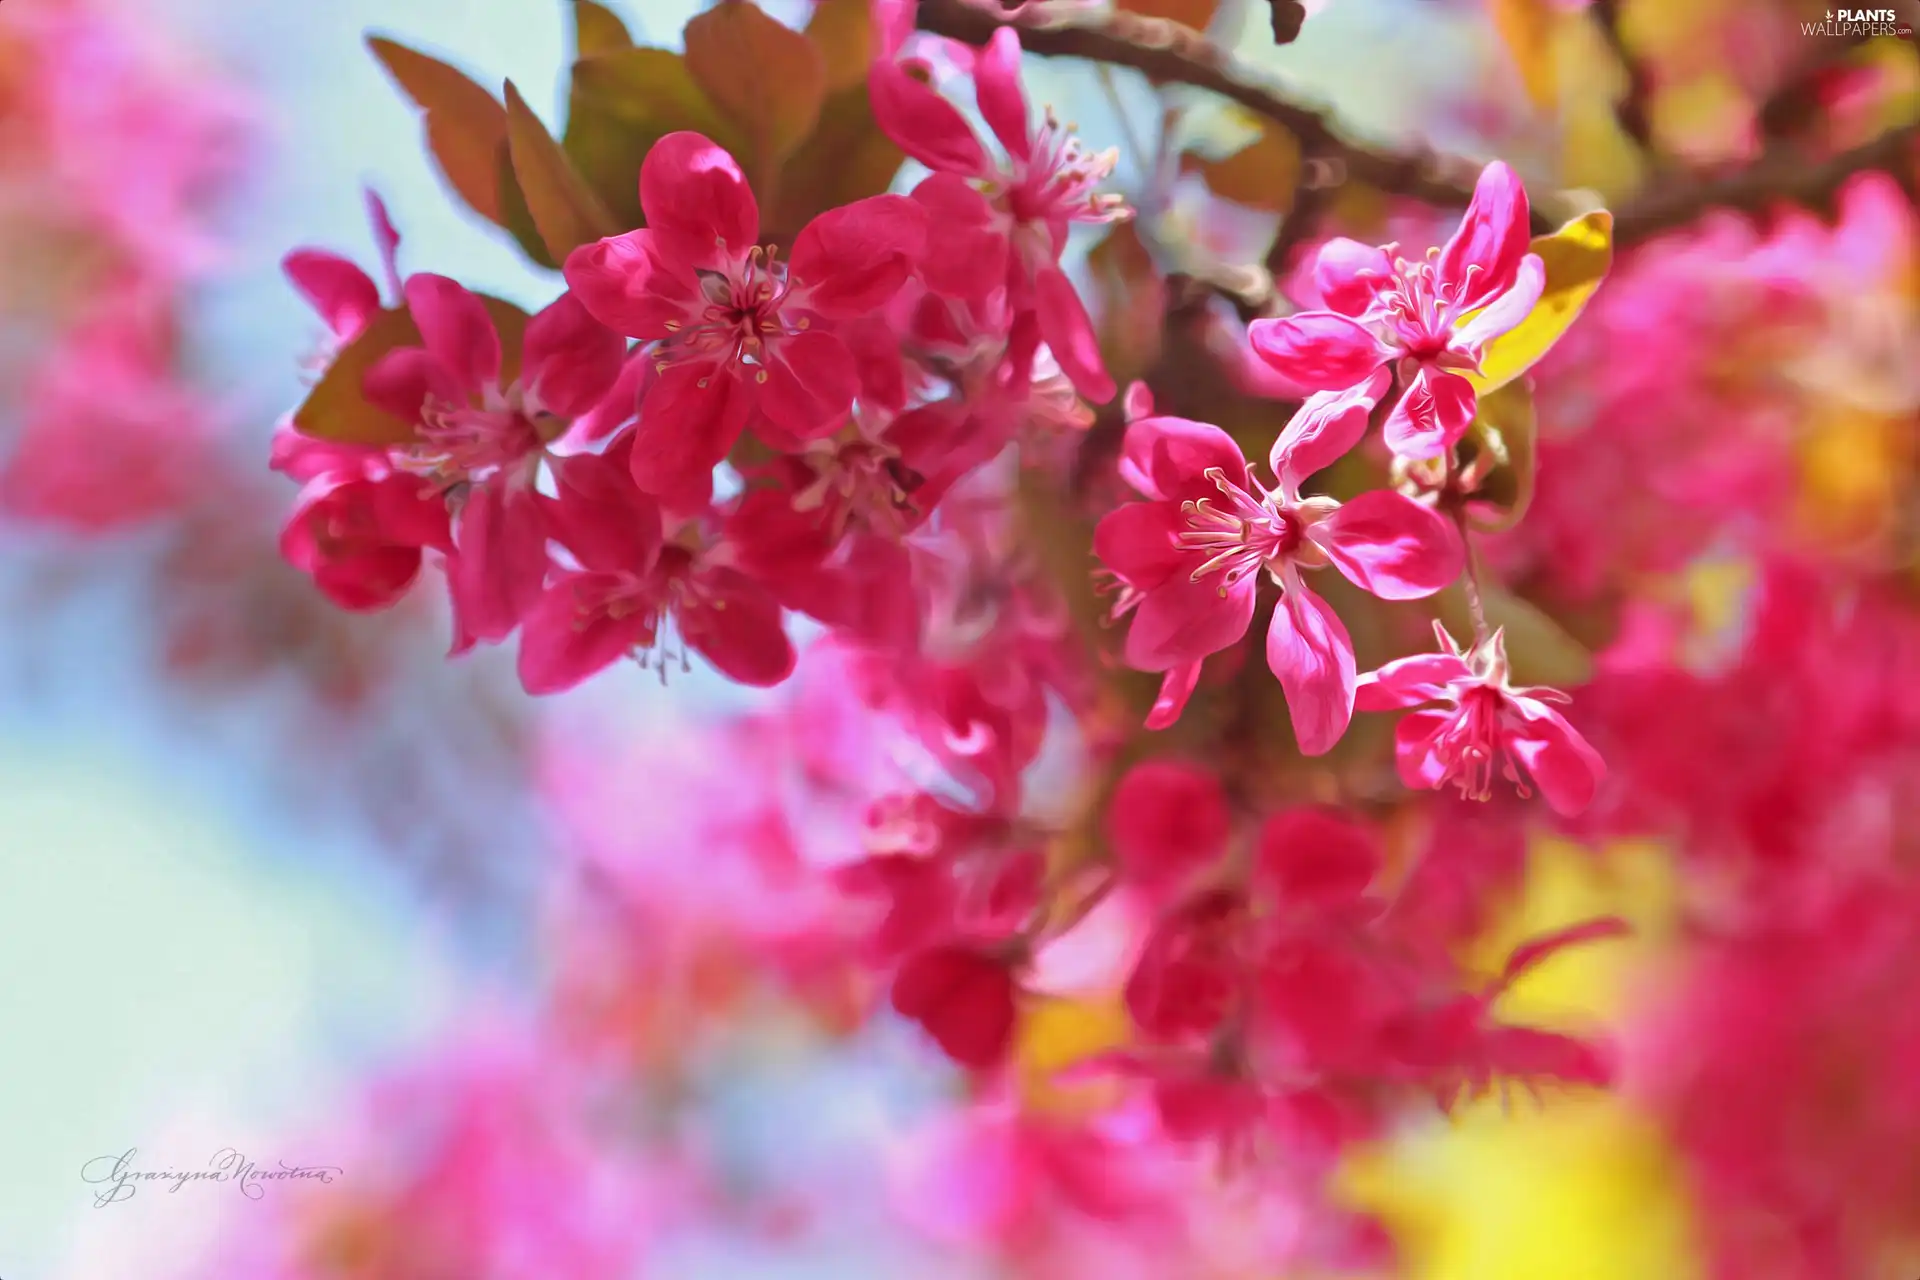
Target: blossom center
x,y
860,482
470,443
1058,179
1420,310
1469,747
737,317
1238,533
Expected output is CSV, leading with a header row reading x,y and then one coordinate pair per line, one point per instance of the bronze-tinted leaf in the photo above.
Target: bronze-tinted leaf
x,y
843,32
337,409
846,158
597,29
517,218
769,79
564,208
621,103
1506,425
1263,174
466,125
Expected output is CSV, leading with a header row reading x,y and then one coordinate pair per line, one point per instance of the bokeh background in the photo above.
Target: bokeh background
x,y
254,852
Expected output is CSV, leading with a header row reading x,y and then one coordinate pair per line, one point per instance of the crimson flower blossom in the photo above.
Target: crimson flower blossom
x,y
343,294
1002,223
1486,723
481,441
634,585
360,526
738,332
1430,319
1189,557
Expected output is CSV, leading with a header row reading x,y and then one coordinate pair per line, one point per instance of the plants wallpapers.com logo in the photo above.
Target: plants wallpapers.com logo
x,y
1858,23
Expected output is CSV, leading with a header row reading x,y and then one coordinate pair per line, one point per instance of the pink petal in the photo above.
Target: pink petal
x,y
1431,416
625,284
737,625
1167,819
922,123
569,359
499,565
810,386
1309,652
560,648
1386,543
1508,310
1492,237
1349,275
456,328
402,380
697,200
971,254
1561,763
1140,542
1175,690
385,239
1319,350
689,421
1311,855
1420,769
601,516
853,259
996,86
1170,457
1181,621
344,295
1325,429
1408,682
1068,330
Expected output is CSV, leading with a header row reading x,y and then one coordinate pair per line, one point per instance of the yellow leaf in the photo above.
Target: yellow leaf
x,y
622,102
564,208
767,78
466,125
1058,1033
597,29
1261,175
1526,27
1577,257
843,32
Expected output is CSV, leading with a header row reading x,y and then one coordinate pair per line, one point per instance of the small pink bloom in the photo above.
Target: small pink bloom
x,y
1189,558
737,332
1429,319
1486,723
1167,819
1002,223
359,526
964,998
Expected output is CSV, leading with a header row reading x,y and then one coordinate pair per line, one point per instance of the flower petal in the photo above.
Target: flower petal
x,y
1139,541
625,284
1508,310
810,385
688,422
972,258
601,516
1170,457
1420,768
345,296
1386,543
697,200
1561,763
1492,238
1408,682
922,123
560,647
1182,621
853,259
1349,275
1431,416
401,381
569,359
1319,350
996,87
1309,652
1068,331
456,328
1175,690
1326,427
737,625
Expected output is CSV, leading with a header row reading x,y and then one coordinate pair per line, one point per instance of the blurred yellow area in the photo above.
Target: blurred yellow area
x,y
1057,1033
1579,1188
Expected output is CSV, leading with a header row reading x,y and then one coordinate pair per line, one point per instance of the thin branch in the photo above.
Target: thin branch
x,y
1781,176
1794,105
1167,51
1631,109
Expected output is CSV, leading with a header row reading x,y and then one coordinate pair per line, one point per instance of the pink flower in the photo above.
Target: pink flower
x,y
1431,318
345,296
1002,223
1167,819
738,332
633,583
1486,723
482,437
965,998
1190,557
359,525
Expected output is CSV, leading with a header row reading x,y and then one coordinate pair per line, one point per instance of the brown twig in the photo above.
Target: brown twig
x,y
1782,176
1631,109
1794,104
1167,51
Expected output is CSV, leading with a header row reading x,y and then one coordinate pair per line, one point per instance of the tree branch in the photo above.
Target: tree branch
x,y
1781,176
1169,52
1631,110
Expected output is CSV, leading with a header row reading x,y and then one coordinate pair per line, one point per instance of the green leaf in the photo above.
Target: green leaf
x,y
1539,649
565,210
1506,425
621,103
767,78
1577,258
597,29
466,125
846,158
337,408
